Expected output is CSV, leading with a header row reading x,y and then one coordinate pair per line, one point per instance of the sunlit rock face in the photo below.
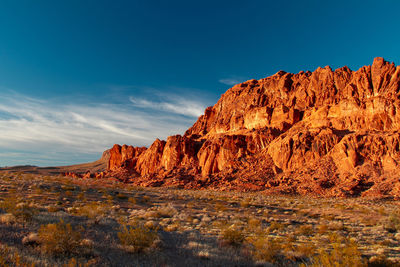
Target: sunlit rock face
x,y
327,132
124,156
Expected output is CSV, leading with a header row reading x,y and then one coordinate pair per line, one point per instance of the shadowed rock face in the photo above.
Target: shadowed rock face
x,y
333,133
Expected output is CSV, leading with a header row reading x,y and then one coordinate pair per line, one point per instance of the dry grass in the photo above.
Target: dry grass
x,y
110,223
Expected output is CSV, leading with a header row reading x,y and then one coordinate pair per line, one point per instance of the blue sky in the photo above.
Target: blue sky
x,y
79,76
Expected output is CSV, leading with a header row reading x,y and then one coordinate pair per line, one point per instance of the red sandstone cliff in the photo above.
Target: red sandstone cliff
x,y
326,132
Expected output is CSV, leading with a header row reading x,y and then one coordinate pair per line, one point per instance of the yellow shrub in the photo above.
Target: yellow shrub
x,y
233,237
275,226
305,229
132,200
137,238
265,249
344,253
92,210
22,211
59,239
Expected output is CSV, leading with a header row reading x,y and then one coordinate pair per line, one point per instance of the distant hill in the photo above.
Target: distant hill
x,y
95,166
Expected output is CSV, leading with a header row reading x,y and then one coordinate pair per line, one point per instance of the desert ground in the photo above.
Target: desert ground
x,y
60,221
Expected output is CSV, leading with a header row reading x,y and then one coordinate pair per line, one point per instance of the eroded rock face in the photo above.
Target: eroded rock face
x,y
150,161
327,132
124,156
179,151
300,146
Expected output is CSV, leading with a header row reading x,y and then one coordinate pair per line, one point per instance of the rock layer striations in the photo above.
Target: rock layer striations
x,y
327,132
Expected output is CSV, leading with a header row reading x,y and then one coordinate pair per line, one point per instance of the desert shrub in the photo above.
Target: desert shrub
x,y
121,196
172,227
382,261
306,250
81,196
275,226
23,212
265,248
232,236
253,223
370,220
110,199
7,218
137,238
343,253
53,208
387,243
392,223
166,211
8,203
152,225
245,203
132,200
382,211
59,239
92,210
306,230
9,256
73,262
68,194
220,206
322,229
286,245
145,199
221,223
38,191
4,254
67,187
336,226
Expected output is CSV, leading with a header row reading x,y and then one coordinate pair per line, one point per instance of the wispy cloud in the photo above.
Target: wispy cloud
x,y
32,127
231,80
177,105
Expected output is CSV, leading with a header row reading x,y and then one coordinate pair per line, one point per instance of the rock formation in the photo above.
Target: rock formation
x,y
331,133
